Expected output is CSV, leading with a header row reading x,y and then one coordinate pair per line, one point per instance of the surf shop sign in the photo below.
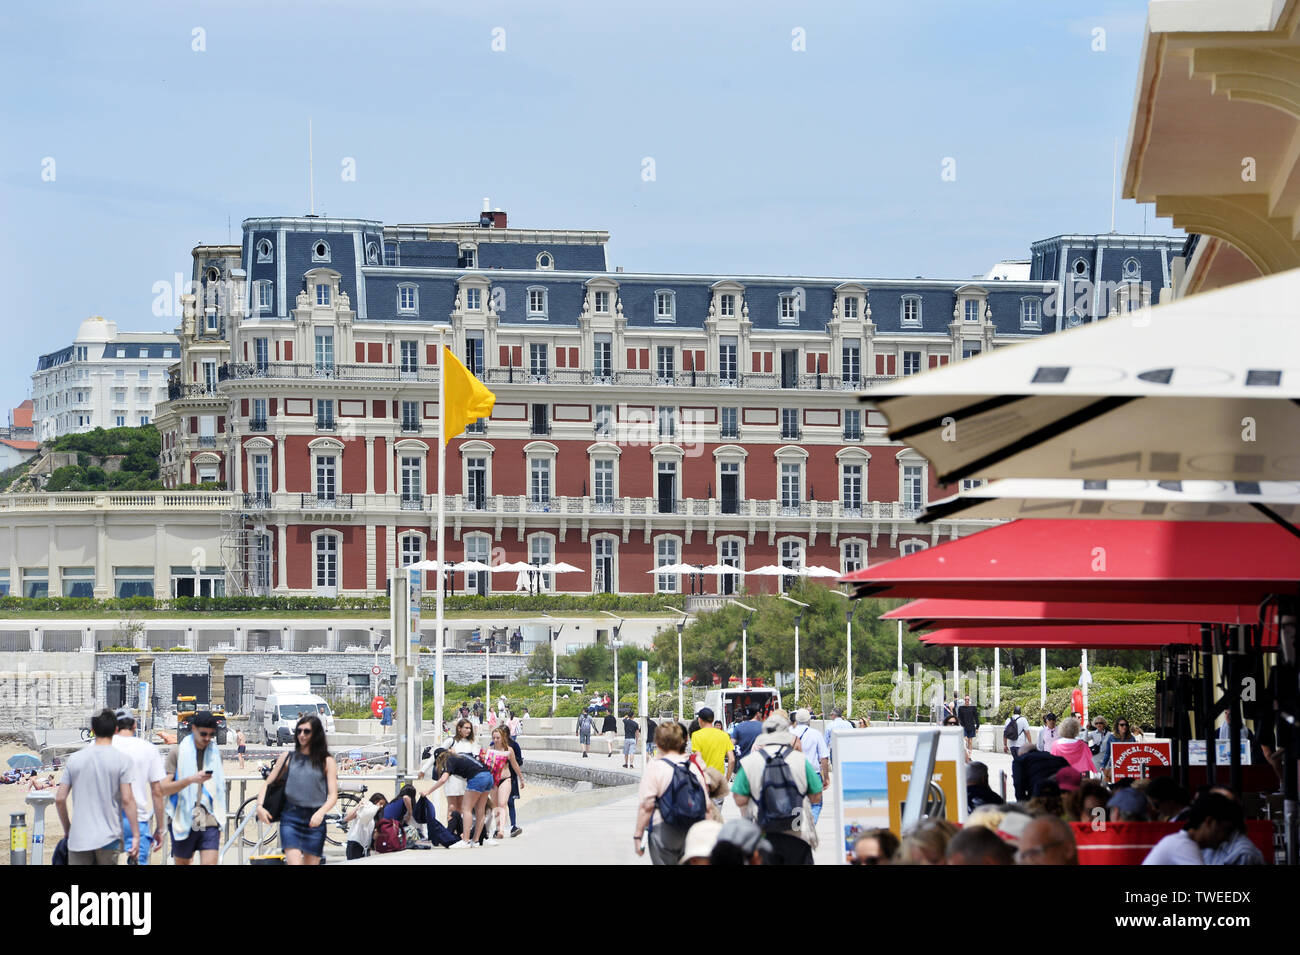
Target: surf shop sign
x,y
1133,760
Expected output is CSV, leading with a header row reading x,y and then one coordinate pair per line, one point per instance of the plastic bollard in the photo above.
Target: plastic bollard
x,y
18,838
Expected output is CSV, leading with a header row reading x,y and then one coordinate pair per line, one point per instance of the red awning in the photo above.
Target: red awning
x,y
1114,561
1056,636
932,613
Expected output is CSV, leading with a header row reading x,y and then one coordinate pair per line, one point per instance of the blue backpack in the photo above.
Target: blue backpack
x,y
684,802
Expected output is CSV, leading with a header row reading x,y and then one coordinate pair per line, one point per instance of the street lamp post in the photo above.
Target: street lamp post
x,y
555,664
614,645
681,625
744,643
797,616
848,648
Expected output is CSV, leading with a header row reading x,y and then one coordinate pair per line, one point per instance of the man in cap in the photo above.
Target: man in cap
x,y
740,842
792,835
147,774
814,748
1049,734
700,840
1128,804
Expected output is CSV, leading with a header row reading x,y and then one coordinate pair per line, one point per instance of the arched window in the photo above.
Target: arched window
x,y
1132,270
731,553
478,548
604,564
541,550
327,547
668,550
911,546
320,251
265,251
411,550
372,253
545,261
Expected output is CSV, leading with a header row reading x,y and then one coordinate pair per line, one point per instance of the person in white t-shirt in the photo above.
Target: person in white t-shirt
x,y
1022,741
813,745
147,774
1210,821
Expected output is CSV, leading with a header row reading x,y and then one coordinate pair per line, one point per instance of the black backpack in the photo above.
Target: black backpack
x,y
1012,729
780,802
684,802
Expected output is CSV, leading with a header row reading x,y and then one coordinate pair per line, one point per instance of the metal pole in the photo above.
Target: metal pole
x,y
1085,680
616,711
744,654
680,626
1205,712
487,676
439,691
997,677
555,674
1042,677
796,658
900,646
18,838
848,649
956,688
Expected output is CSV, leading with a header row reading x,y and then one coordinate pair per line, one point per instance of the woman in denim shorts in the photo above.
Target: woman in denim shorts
x,y
311,788
478,783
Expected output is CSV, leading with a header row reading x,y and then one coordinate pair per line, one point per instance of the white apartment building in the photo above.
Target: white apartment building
x,y
104,379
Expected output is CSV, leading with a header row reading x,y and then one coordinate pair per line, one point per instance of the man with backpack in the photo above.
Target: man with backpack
x,y
1015,735
782,784
584,733
673,797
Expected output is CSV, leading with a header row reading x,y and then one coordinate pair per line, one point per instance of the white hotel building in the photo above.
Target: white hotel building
x,y
104,379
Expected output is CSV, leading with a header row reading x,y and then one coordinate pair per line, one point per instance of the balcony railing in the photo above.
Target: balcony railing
x,y
411,427
207,441
325,424
413,502
256,424
791,434
257,502
852,435
326,501
637,378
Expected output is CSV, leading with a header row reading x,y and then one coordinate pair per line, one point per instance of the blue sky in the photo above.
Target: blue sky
x,y
824,161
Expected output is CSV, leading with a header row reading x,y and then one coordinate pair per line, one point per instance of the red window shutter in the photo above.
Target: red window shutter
x,y
811,362
288,351
631,358
573,358
277,349
934,361
194,425
688,361
195,373
880,365
943,360
243,407
517,356
390,353
700,364
375,352
823,363
377,409
644,357
273,404
767,361
245,351
434,355
394,409
757,358
891,364
361,352
221,424
561,357
505,355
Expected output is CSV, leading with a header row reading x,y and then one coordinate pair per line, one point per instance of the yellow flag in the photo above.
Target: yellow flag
x,y
465,398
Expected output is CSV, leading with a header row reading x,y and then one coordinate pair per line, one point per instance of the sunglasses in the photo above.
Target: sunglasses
x,y
868,860
303,730
208,735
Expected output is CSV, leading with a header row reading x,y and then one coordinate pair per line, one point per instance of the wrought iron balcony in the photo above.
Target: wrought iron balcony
x,y
325,424
326,501
256,424
412,502
257,502
207,441
411,427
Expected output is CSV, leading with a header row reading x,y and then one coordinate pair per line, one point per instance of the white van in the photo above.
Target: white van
x,y
731,706
279,700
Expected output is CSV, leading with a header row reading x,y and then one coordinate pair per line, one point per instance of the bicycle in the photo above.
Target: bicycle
x,y
86,734
336,830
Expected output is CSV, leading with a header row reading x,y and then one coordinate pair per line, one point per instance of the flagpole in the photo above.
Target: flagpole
x,y
441,551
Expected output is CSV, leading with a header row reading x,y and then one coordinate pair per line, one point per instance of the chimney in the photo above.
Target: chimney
x,y
491,218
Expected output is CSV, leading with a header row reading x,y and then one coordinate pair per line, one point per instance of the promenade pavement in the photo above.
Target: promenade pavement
x,y
602,834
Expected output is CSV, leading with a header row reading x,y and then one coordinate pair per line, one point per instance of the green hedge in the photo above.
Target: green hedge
x,y
633,603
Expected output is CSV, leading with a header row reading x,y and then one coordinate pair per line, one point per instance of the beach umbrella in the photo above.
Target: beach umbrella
x,y
1204,387
772,570
474,566
1123,500
817,571
929,613
24,761
1095,560
561,568
674,569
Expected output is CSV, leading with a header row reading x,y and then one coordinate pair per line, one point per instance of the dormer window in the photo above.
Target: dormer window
x,y
537,303
372,253
320,251
322,294
265,251
910,312
263,297
211,320
601,303
1031,315
545,261
214,274
851,306
665,306
727,305
1132,270
473,299
1080,268
468,257
408,300
788,309
971,312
